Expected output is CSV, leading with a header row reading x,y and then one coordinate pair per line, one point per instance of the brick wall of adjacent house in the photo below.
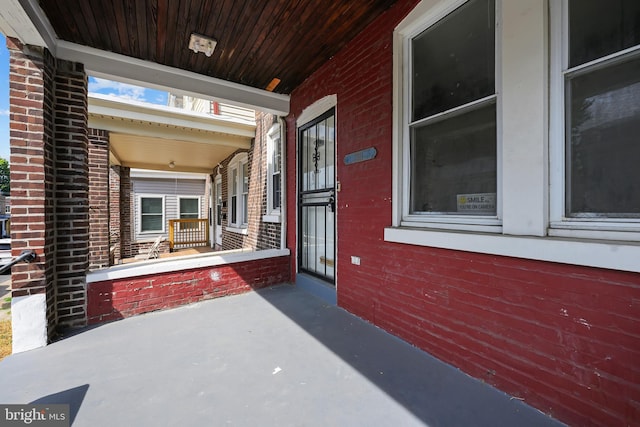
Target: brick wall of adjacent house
x,y
114,214
49,180
267,234
230,240
31,129
116,299
99,199
562,338
126,208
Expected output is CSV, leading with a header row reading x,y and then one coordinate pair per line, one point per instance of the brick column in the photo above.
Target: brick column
x,y
99,197
114,213
72,193
49,180
32,191
125,211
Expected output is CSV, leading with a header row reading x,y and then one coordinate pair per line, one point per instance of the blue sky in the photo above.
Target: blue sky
x,y
103,86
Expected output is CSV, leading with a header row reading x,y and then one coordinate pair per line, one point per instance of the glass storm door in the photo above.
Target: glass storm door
x,y
316,229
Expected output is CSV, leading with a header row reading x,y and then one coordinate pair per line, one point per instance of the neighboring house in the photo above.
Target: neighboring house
x,y
160,197
5,216
460,173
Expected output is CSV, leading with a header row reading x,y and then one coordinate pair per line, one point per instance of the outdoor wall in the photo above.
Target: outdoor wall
x,y
32,188
99,185
564,338
119,298
262,234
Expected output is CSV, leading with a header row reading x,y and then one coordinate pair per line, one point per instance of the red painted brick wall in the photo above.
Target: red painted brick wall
x,y
117,299
564,338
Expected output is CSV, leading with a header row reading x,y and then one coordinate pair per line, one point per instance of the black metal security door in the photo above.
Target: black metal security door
x,y
316,229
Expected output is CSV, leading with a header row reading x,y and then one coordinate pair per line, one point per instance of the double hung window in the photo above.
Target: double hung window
x,y
151,214
450,126
238,183
597,178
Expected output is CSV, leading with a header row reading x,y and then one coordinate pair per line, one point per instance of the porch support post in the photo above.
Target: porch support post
x,y
32,191
49,180
99,198
72,193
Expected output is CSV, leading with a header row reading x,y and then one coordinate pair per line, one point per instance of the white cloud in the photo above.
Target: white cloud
x,y
122,90
4,112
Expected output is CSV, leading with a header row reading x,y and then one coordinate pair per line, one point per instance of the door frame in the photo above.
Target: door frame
x,y
313,115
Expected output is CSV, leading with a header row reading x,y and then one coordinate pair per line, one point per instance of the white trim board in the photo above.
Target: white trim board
x,y
599,254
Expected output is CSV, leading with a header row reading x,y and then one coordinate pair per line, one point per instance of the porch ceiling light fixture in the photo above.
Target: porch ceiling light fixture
x,y
198,43
172,164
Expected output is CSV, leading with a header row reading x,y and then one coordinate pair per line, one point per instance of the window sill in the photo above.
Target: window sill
x,y
271,218
236,230
614,255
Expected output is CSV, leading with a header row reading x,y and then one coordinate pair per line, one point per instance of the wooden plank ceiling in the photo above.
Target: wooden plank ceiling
x,y
258,40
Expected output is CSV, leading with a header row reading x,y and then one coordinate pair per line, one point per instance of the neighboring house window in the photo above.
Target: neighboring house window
x,y
595,150
449,135
238,182
274,167
189,208
151,214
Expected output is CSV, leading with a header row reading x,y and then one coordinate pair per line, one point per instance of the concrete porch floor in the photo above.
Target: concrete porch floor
x,y
278,357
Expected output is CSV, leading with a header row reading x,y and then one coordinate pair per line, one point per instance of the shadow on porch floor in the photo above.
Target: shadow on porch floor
x,y
277,357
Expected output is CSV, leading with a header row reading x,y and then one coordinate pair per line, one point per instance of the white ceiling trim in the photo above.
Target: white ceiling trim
x,y
99,106
163,131
109,65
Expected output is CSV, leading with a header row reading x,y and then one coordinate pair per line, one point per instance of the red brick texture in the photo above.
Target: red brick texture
x,y
99,186
564,338
117,299
31,133
49,180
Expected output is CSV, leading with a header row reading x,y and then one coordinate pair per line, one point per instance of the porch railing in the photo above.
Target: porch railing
x,y
188,232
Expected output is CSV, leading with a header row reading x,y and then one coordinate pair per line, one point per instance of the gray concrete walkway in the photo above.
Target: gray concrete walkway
x,y
279,357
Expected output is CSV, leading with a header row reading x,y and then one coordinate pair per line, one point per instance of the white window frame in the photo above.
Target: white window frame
x,y
139,213
414,26
198,198
525,128
625,229
235,168
274,136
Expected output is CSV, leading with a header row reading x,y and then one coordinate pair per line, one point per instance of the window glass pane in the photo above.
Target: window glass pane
x,y
234,210
245,178
454,164
245,211
189,207
603,176
598,28
276,155
234,184
151,205
151,223
454,60
276,191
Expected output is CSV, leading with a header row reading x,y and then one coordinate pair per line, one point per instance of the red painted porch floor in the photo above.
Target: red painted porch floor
x,y
278,357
